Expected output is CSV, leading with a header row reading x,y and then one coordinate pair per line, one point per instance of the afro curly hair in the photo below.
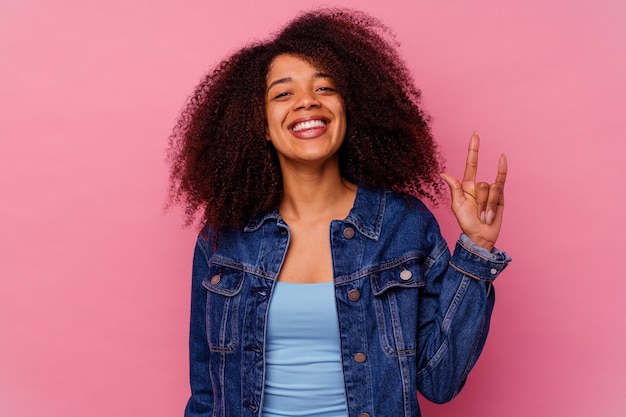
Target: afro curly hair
x,y
221,162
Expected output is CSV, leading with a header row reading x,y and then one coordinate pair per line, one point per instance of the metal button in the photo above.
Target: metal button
x,y
216,279
406,275
360,357
354,295
348,233
364,415
493,271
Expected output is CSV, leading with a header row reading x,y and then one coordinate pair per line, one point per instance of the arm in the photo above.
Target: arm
x,y
454,315
457,301
201,402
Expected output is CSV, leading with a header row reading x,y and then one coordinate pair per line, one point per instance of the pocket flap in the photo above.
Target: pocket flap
x,y
407,274
223,280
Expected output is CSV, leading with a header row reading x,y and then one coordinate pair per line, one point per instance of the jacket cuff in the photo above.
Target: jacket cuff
x,y
476,261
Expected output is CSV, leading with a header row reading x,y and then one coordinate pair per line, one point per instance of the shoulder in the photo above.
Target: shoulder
x,y
408,219
406,207
379,207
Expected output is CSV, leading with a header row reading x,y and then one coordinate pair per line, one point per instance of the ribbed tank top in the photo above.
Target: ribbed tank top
x,y
303,375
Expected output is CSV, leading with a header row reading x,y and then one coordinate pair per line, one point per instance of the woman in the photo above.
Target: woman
x,y
321,283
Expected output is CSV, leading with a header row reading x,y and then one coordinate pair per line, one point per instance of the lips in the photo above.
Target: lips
x,y
308,124
309,128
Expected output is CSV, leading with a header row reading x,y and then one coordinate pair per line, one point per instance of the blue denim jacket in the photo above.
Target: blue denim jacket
x,y
411,317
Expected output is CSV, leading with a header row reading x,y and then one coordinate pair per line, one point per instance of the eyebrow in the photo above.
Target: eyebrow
x,y
289,79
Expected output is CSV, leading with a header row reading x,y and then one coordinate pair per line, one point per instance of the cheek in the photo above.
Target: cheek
x,y
341,115
272,122
271,114
268,118
340,111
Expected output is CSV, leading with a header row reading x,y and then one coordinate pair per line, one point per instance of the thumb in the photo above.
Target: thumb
x,y
456,190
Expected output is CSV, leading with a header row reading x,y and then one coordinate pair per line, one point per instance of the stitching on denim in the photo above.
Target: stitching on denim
x,y
363,272
220,260
454,305
435,360
380,310
465,272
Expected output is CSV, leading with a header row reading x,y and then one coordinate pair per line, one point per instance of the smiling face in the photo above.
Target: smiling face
x,y
306,118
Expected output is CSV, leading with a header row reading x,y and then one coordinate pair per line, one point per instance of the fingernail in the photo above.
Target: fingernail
x,y
490,215
482,216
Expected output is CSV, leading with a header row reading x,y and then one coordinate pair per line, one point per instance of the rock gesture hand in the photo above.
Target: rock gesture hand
x,y
478,206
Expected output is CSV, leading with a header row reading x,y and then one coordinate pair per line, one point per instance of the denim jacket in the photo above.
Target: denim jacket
x,y
411,317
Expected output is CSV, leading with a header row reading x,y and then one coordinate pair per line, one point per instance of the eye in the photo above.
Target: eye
x,y
326,89
282,95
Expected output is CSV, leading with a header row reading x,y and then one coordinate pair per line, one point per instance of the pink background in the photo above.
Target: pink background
x,y
94,275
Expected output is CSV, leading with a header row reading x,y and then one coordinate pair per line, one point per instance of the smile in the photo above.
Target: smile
x,y
309,124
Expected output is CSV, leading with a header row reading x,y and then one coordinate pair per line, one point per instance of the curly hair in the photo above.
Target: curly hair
x,y
221,162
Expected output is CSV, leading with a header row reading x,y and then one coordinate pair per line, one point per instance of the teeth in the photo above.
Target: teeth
x,y
310,124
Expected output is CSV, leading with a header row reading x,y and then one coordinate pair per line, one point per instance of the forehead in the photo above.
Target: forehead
x,y
290,66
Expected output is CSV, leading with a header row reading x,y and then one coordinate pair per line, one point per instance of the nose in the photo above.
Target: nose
x,y
306,100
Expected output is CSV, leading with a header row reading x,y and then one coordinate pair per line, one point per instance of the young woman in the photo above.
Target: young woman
x,y
321,283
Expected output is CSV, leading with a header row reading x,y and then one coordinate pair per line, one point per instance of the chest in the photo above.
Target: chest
x,y
308,258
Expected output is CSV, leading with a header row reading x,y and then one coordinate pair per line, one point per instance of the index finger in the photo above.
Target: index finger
x,y
471,163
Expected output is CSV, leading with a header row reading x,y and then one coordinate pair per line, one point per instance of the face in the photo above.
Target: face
x,y
306,118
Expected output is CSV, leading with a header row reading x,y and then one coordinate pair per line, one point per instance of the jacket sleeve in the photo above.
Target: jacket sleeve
x,y
454,314
200,403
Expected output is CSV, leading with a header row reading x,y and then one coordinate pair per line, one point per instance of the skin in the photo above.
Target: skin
x,y
306,123
478,206
314,192
297,92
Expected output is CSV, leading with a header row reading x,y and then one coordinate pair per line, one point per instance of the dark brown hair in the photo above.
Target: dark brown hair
x,y
221,162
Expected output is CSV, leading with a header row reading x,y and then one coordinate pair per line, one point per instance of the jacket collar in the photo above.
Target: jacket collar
x,y
368,211
366,215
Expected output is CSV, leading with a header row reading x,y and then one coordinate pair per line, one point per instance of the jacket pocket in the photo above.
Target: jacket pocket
x,y
222,306
396,287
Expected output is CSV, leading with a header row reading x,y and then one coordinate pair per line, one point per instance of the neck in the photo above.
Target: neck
x,y
316,194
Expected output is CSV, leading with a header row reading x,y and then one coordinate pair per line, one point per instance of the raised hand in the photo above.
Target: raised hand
x,y
478,206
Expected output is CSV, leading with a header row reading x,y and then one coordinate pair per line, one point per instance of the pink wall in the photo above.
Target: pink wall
x,y
94,276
